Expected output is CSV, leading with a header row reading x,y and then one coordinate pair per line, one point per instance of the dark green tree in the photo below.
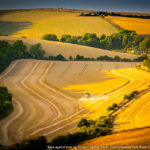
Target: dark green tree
x,y
50,37
5,102
36,51
60,57
83,122
145,44
103,36
64,37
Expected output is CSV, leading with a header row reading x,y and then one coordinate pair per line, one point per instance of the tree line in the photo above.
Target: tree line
x,y
124,39
108,58
105,13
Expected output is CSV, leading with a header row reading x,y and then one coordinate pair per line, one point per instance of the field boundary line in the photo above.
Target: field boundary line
x,y
113,23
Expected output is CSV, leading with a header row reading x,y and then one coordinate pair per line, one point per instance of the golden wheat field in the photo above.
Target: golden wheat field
x,y
136,113
59,23
141,26
129,80
41,104
132,139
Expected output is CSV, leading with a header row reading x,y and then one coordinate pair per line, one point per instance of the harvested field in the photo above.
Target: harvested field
x,y
132,139
141,26
37,105
41,106
66,49
54,22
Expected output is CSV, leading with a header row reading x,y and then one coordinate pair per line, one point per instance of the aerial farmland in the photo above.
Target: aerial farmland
x,y
86,84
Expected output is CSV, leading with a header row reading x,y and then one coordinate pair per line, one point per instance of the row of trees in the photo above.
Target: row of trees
x,y
124,39
105,13
100,58
5,102
112,108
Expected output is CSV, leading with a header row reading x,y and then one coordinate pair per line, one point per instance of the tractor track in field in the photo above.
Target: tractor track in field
x,y
33,96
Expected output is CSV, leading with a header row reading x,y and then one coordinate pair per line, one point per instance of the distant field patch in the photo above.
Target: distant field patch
x,y
58,23
8,28
141,26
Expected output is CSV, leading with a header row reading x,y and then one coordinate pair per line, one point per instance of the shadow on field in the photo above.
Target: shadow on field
x,y
8,28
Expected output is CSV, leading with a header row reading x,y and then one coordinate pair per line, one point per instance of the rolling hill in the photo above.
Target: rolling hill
x,y
67,49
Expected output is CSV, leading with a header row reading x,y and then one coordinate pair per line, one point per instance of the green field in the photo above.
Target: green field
x,y
43,22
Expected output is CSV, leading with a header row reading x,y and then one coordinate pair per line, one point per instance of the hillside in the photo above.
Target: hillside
x,y
66,49
36,23
132,139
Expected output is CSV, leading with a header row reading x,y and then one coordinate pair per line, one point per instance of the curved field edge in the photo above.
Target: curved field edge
x,y
135,137
67,49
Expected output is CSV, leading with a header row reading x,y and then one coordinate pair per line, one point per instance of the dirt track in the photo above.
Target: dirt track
x,y
40,107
